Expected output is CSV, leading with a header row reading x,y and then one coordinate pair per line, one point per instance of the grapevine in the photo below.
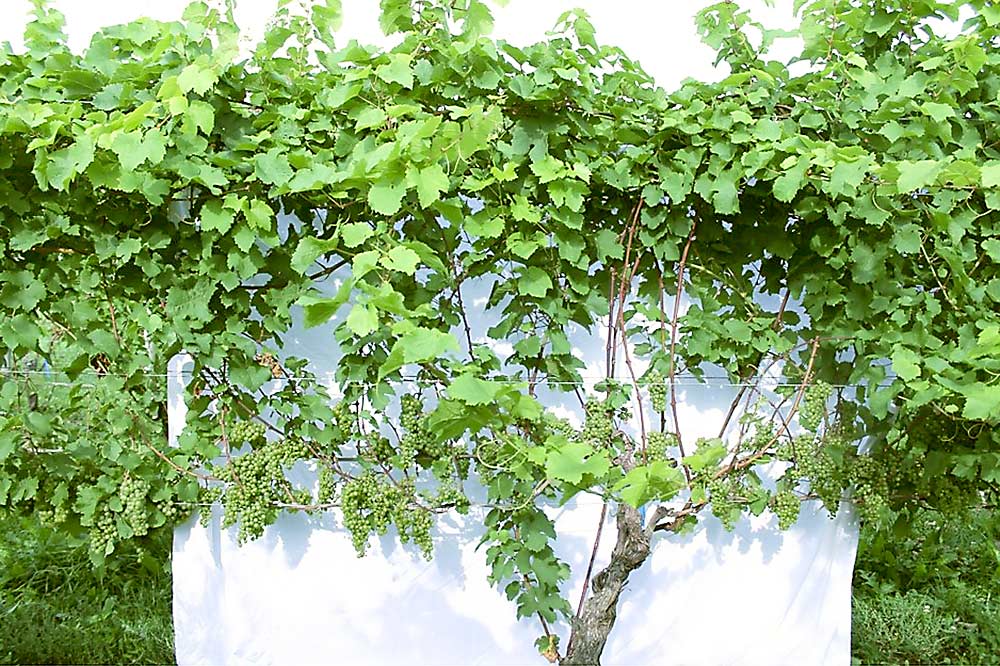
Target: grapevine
x,y
197,197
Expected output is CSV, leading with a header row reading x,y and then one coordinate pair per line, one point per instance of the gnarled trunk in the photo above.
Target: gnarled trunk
x,y
591,629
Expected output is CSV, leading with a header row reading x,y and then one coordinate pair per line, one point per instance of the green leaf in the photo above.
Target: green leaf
x,y
473,390
656,481
939,112
571,461
608,245
397,70
21,291
726,197
914,175
215,217
866,263
787,185
906,364
196,78
369,118
401,259
991,174
273,168
8,442
338,96
69,162
846,177
982,402
259,215
355,233
547,169
308,250
135,148
431,182
386,196
318,309
418,346
534,282
363,263
362,320
202,115
906,239
484,226
767,130
709,453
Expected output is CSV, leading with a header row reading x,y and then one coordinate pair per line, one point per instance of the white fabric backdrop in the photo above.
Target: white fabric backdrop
x,y
301,595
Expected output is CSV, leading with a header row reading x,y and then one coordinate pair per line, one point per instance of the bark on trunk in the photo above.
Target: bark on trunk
x,y
591,629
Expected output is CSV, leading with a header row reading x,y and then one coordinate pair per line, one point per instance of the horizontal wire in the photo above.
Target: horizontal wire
x,y
585,380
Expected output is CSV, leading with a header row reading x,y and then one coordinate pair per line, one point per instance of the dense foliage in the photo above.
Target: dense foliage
x,y
831,236
929,597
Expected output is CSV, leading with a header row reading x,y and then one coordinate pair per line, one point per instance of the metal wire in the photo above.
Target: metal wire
x,y
686,379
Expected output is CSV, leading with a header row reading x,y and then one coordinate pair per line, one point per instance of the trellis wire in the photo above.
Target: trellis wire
x,y
585,380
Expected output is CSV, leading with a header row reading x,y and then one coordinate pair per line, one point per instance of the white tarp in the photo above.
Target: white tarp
x,y
301,595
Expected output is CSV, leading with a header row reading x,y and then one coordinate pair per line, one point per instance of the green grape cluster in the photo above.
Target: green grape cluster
x,y
871,487
209,496
658,445
381,449
786,506
785,450
657,390
411,411
53,516
449,495
60,514
170,510
133,492
256,482
933,429
724,507
598,424
414,525
301,496
242,431
763,437
814,463
288,450
813,407
905,472
367,507
417,440
343,421
370,505
463,462
559,426
104,533
488,452
950,494
327,484
254,516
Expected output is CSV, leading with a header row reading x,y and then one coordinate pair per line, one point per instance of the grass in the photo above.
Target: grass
x,y
56,608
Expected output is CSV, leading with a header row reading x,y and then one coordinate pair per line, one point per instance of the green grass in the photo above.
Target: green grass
x,y
56,608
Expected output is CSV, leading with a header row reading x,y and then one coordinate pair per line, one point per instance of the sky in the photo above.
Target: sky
x,y
658,33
